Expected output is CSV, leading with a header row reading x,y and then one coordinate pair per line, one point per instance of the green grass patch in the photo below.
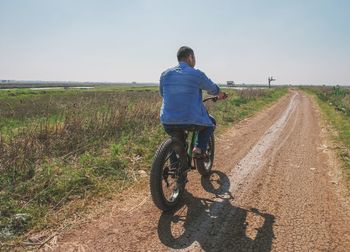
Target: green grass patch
x,y
244,103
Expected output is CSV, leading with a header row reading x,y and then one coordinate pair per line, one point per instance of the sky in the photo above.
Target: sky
x,y
297,42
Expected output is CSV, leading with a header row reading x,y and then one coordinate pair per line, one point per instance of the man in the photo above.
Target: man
x,y
182,108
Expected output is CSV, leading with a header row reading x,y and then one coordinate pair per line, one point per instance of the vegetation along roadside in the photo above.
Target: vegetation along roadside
x,y
335,106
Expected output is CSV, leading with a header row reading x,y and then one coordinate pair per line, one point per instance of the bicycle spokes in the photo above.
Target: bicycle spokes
x,y
170,175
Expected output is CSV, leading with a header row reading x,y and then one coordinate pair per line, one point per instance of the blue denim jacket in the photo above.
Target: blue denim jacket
x,y
181,88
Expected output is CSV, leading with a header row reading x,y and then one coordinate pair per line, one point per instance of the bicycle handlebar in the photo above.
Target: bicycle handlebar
x,y
214,98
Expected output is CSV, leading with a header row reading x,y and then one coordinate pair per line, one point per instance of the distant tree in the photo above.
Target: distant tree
x,y
270,79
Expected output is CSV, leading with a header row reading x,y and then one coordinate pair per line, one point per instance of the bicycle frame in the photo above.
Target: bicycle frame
x,y
194,136
190,147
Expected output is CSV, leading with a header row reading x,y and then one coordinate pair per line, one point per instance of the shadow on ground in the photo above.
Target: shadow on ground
x,y
216,225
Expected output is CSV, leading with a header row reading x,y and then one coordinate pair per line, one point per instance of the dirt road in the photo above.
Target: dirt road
x,y
277,186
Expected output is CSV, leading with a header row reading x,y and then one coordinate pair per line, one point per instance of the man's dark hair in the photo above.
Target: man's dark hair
x,y
184,52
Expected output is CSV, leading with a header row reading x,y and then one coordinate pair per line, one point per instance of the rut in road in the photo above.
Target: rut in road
x,y
276,186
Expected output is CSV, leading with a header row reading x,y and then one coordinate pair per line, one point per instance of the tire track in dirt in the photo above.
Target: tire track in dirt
x,y
247,167
271,190
311,214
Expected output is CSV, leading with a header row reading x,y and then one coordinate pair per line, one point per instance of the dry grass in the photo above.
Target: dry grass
x,y
86,147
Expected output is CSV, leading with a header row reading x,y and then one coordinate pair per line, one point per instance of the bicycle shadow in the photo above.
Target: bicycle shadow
x,y
215,225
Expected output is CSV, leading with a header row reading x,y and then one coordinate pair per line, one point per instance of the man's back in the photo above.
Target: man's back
x,y
181,88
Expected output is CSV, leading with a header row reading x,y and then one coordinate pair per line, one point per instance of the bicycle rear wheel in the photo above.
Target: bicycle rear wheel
x,y
166,189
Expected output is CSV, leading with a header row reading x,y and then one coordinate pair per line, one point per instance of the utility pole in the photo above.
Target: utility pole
x,y
270,79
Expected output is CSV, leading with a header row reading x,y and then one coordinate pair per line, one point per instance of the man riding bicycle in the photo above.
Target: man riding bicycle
x,y
182,108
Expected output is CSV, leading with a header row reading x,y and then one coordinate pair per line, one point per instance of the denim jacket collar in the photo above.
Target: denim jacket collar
x,y
183,64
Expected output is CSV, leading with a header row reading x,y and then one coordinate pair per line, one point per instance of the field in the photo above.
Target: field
x,y
61,150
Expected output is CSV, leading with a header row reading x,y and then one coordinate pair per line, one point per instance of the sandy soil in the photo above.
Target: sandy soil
x,y
276,185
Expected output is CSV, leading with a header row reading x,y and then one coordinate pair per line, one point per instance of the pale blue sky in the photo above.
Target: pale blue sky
x,y
246,41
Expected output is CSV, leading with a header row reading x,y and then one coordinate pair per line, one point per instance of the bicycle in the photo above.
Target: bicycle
x,y
171,163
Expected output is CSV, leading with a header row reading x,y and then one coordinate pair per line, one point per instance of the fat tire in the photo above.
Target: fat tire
x,y
156,178
199,163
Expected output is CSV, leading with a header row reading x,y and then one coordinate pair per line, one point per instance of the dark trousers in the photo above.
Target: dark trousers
x,y
203,135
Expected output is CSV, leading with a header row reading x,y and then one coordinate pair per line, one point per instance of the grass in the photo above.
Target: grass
x,y
244,103
335,105
19,107
61,147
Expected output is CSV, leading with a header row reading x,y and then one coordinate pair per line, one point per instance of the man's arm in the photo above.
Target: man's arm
x,y
206,84
210,87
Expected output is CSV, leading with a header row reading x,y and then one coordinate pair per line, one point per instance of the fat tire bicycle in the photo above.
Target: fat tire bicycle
x,y
171,163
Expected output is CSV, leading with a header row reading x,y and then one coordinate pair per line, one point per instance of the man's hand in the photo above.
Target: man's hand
x,y
222,95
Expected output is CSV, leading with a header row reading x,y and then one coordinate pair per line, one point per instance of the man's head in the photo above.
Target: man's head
x,y
186,54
